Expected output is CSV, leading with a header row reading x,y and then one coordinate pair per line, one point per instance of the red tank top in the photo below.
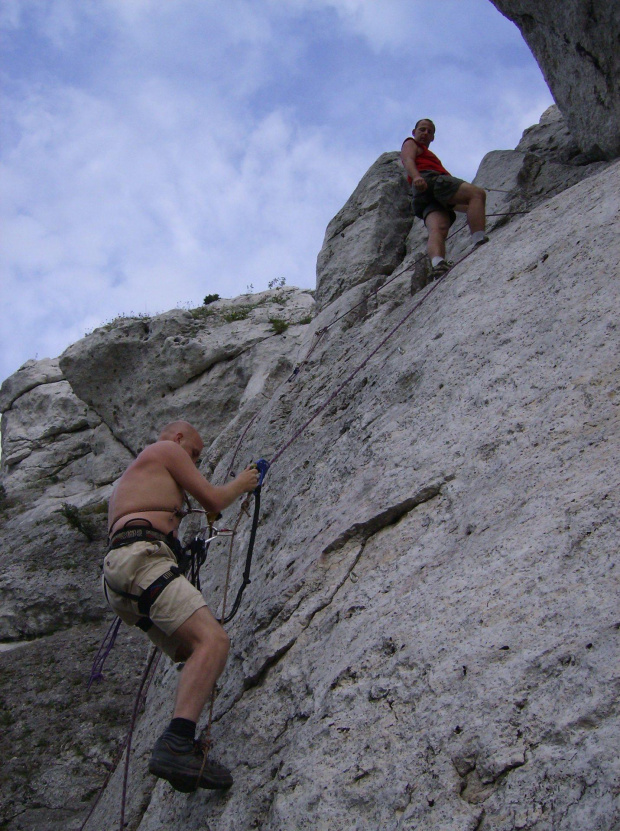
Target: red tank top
x,y
427,160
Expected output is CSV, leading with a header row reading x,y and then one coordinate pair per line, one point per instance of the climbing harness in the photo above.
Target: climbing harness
x,y
198,549
178,512
144,601
190,559
127,536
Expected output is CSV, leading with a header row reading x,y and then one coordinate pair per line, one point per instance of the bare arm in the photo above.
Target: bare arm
x,y
212,497
408,154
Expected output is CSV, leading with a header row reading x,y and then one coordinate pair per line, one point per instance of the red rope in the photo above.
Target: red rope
x,y
352,375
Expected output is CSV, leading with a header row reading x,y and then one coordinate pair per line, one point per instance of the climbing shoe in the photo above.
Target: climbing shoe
x,y
439,270
481,241
180,762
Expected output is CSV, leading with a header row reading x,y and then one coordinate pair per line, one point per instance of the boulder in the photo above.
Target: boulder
x,y
577,46
139,374
367,237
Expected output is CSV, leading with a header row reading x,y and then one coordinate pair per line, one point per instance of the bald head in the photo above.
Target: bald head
x,y
172,430
186,436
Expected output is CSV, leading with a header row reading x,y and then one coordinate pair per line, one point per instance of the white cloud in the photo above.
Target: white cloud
x,y
143,212
158,152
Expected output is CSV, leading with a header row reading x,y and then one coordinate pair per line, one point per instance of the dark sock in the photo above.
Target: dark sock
x,y
183,727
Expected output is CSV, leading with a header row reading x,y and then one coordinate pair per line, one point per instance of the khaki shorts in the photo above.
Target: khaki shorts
x,y
132,569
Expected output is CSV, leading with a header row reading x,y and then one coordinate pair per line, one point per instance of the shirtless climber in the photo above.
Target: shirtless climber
x,y
436,195
144,514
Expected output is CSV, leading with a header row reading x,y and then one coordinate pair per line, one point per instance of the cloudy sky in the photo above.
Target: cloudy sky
x,y
154,151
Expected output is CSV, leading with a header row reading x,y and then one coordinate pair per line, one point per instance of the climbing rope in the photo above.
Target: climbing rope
x,y
262,466
360,366
96,673
318,335
145,683
279,452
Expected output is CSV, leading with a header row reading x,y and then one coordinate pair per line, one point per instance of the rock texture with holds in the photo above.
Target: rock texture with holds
x,y
430,637
577,46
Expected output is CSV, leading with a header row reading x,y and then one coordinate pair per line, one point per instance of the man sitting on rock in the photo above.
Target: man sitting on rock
x,y
145,588
436,195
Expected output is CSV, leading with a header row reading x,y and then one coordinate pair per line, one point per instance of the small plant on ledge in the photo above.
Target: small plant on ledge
x,y
279,326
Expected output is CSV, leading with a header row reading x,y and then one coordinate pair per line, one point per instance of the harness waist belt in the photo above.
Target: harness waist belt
x,y
127,536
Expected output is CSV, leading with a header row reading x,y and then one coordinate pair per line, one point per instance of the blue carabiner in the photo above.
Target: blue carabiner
x,y
262,465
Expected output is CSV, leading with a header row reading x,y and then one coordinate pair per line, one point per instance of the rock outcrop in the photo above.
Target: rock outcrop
x,y
577,46
60,458
430,638
374,236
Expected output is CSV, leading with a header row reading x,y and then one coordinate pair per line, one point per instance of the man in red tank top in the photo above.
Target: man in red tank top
x,y
437,194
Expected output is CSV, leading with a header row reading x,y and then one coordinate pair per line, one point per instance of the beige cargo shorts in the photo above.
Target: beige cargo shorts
x,y
132,569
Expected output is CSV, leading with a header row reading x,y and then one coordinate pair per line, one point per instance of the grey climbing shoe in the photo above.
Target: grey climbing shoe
x,y
481,241
180,762
439,270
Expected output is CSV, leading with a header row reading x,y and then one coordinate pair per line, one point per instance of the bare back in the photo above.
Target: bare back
x,y
154,486
147,490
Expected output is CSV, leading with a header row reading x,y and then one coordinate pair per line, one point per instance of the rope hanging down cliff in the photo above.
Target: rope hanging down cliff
x,y
280,451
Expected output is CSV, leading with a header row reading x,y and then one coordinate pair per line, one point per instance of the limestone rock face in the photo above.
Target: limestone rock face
x,y
430,637
203,364
27,377
66,437
367,236
577,46
58,461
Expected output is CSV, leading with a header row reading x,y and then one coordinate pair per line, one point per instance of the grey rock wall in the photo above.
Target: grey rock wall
x,y
430,638
577,46
69,429
203,364
367,236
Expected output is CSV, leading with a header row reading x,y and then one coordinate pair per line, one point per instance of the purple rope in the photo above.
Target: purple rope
x,y
145,682
96,673
320,332
393,277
